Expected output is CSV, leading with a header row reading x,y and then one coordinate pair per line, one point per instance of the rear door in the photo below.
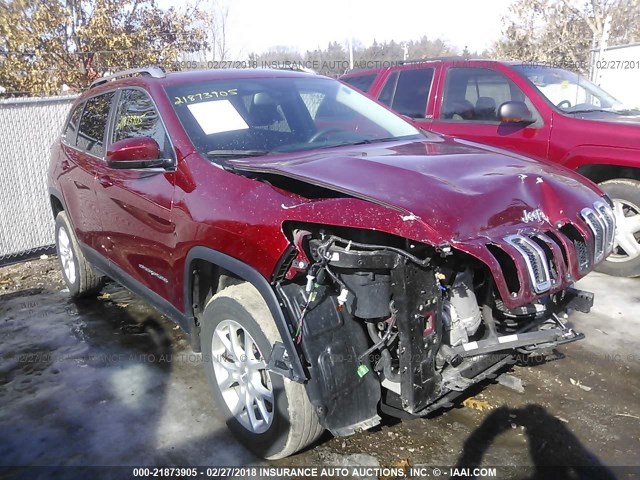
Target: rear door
x,y
83,143
468,106
407,91
138,235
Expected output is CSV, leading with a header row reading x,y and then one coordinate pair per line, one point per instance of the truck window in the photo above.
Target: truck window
x,y
474,94
412,92
361,82
389,89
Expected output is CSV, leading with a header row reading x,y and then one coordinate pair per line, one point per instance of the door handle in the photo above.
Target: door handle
x,y
105,181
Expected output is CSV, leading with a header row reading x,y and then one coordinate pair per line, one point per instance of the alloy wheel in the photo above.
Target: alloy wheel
x,y
65,251
242,376
627,242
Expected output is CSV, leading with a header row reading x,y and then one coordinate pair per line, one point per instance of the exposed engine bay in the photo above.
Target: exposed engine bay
x,y
384,323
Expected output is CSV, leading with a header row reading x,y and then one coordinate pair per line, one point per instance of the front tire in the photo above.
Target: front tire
x,y
270,415
79,276
625,259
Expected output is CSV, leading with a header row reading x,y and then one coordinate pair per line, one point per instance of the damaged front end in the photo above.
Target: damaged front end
x,y
382,323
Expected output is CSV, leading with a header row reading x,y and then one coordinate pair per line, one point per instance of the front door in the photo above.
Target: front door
x,y
138,235
469,109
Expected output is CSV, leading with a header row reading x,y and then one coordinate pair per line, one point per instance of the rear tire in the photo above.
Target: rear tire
x,y
79,276
238,333
625,194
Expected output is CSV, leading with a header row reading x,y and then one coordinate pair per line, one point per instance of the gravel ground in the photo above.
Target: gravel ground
x,y
111,382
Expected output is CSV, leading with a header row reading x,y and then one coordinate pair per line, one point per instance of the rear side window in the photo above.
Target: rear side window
x,y
70,131
389,90
412,92
93,124
361,82
136,116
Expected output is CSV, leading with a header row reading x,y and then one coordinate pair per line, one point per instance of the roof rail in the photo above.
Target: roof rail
x,y
296,68
442,59
421,60
154,72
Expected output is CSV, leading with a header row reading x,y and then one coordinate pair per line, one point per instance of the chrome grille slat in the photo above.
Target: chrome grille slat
x,y
575,238
535,259
601,222
553,262
597,228
606,215
583,255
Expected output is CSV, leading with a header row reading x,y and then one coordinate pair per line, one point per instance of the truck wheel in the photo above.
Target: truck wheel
x,y
270,415
79,276
625,259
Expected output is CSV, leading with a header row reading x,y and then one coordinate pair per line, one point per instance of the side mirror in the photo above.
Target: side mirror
x,y
515,112
140,152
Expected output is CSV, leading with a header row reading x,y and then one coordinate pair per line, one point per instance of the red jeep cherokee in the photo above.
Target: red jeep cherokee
x,y
330,261
542,112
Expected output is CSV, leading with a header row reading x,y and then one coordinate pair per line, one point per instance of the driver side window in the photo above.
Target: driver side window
x,y
136,116
475,94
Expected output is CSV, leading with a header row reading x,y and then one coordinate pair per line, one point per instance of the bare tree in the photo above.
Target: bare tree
x,y
218,28
565,31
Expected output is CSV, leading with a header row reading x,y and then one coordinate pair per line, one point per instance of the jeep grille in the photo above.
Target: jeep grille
x,y
579,244
535,259
601,222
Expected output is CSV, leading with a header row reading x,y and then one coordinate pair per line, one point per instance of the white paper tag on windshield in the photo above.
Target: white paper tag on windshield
x,y
217,116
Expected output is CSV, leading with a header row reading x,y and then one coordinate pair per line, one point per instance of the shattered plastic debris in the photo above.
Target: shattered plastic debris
x,y
476,404
512,382
579,385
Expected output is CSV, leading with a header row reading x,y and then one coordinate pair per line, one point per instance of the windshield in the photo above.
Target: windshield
x,y
568,91
257,116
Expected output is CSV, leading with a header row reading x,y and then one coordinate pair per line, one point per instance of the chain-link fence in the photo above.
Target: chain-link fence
x,y
28,127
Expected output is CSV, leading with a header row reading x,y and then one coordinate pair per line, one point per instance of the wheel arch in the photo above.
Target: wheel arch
x,y
219,269
56,202
600,164
599,173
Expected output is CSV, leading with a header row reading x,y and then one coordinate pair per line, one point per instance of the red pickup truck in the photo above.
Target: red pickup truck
x,y
547,113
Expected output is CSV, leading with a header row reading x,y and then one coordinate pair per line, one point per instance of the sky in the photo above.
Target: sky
x,y
257,25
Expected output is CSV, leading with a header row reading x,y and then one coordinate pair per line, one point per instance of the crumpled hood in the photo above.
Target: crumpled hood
x,y
459,189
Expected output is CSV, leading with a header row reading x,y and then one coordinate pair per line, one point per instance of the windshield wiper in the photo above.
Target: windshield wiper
x,y
376,140
367,141
237,153
592,110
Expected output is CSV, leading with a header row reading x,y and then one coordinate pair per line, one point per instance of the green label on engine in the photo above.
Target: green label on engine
x,y
362,370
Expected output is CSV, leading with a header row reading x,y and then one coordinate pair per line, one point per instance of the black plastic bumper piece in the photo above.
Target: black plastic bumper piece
x,y
579,300
345,396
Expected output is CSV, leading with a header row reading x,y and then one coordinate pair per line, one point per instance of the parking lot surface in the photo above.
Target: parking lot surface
x,y
111,382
